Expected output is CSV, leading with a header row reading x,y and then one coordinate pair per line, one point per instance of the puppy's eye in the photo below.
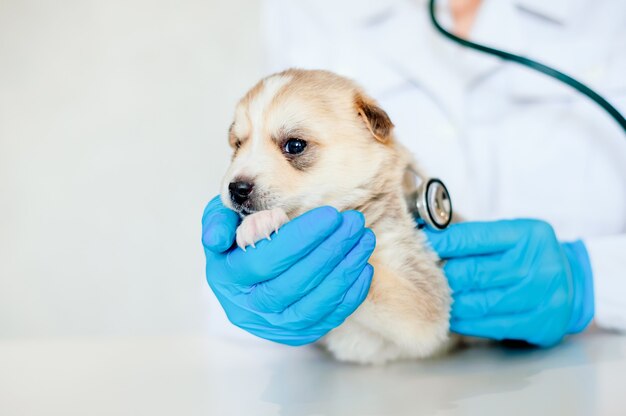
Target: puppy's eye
x,y
294,146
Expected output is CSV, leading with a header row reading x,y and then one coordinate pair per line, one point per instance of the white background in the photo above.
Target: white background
x,y
113,121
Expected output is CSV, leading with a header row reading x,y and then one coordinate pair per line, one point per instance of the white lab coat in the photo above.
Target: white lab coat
x,y
507,141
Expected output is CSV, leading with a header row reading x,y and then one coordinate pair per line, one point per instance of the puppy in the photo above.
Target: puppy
x,y
303,139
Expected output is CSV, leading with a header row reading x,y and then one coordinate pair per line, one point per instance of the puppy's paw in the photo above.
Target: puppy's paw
x,y
259,225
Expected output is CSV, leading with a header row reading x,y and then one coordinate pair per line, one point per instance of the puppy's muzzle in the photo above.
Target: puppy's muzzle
x,y
240,191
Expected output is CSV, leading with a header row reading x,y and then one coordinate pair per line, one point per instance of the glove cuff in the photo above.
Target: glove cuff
x,y
582,277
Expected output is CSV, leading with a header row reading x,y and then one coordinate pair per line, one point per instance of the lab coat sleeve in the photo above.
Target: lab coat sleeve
x,y
608,264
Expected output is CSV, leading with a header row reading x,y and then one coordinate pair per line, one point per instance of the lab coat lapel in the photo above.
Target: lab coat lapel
x,y
557,11
498,26
407,43
349,51
585,48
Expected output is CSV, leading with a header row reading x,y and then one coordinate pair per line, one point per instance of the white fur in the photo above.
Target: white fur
x,y
259,225
250,123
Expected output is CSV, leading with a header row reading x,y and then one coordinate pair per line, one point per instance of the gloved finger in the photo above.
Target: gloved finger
x,y
529,327
496,302
219,225
475,238
493,328
277,294
353,298
295,239
483,272
326,297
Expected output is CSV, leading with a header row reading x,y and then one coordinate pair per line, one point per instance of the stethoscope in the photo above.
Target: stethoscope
x,y
430,201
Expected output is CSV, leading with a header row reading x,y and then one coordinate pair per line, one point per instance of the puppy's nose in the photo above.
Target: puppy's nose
x,y
240,191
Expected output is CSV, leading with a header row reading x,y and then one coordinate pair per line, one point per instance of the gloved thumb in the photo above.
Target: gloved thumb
x,y
219,225
476,238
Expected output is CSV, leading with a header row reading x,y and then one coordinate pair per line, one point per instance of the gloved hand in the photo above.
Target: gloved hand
x,y
297,287
514,280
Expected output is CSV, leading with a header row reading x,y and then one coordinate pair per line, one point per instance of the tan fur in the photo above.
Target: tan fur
x,y
353,162
375,118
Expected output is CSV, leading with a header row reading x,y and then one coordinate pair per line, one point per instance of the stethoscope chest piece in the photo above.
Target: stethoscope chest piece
x,y
432,205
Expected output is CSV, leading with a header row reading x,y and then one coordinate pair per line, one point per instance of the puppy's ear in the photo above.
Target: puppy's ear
x,y
375,118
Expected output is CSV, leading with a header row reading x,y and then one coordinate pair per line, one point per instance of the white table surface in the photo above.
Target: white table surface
x,y
586,375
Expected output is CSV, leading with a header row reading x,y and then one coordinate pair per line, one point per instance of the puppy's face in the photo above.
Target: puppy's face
x,y
302,139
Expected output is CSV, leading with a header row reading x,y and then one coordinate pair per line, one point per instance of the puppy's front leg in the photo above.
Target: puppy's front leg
x,y
259,225
408,309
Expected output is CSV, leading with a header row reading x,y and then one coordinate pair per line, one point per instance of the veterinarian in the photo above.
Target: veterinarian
x,y
509,143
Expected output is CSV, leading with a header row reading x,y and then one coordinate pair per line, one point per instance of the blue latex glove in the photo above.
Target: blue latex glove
x,y
514,280
295,288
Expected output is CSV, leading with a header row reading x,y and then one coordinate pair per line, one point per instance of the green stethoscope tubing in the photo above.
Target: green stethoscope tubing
x,y
537,66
